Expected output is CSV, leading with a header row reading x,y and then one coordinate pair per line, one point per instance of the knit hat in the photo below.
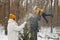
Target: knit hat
x,y
12,16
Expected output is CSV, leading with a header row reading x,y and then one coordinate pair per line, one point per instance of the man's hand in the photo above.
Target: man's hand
x,y
25,22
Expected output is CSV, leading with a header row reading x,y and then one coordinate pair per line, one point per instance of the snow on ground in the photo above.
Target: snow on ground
x,y
45,34
2,35
42,35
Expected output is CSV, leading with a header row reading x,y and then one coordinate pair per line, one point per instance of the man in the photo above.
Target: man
x,y
43,14
13,27
34,26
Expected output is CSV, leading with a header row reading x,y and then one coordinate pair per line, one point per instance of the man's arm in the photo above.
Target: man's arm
x,y
19,28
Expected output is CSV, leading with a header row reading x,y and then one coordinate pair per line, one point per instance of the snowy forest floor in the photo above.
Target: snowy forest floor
x,y
42,35
2,35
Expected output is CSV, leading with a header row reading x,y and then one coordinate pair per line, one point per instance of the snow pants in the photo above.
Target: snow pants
x,y
44,16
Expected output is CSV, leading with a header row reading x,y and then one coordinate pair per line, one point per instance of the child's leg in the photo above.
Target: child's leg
x,y
44,14
45,19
